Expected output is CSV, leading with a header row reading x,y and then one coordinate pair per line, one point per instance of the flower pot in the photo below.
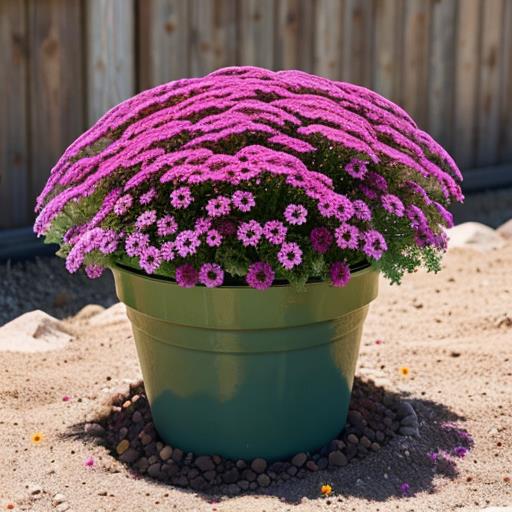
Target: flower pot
x,y
241,373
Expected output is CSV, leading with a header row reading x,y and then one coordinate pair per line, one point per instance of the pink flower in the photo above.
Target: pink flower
x,y
347,236
356,168
181,198
89,462
213,238
249,233
361,210
167,251
321,239
211,275
219,206
295,214
94,271
187,242
260,275
66,398
148,196
290,255
186,276
150,260
374,244
135,243
275,232
146,219
202,225
339,273
243,201
123,204
392,204
166,226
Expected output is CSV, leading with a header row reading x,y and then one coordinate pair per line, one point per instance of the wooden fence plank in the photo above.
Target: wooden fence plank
x,y
441,71
414,87
14,163
110,54
357,42
294,35
56,90
328,55
256,41
466,81
489,90
505,142
164,52
387,47
212,35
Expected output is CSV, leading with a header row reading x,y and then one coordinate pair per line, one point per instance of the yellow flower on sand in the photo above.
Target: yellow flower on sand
x,y
36,438
326,489
404,371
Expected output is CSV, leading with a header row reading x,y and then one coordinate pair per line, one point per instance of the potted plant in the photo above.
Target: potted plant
x,y
246,216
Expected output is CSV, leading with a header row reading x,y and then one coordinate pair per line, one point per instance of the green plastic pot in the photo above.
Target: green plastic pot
x,y
243,373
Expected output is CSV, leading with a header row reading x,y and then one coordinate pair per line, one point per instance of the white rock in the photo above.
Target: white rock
x,y
113,315
35,331
505,230
474,235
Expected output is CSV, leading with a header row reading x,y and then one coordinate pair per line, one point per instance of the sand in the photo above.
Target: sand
x,y
453,331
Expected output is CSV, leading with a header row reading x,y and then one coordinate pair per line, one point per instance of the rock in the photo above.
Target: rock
x,y
322,463
263,480
299,459
198,483
380,436
231,476
94,429
233,489
241,464
356,418
89,311
142,464
404,409
292,470
375,446
337,458
205,463
409,431
35,331
62,507
259,465
137,417
243,484
475,236
58,499
180,481
210,475
154,470
165,453
129,456
253,486
352,438
248,474
145,438
177,455
122,446
217,459
505,230
312,465
409,421
113,315
365,442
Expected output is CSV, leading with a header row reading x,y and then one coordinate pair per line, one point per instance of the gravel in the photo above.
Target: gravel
x,y
129,432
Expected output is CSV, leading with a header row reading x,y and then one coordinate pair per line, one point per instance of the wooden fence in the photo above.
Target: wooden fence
x,y
64,62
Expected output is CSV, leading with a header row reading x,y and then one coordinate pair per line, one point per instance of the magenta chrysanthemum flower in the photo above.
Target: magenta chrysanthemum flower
x,y
260,275
275,232
243,200
356,168
249,233
347,236
219,206
290,255
417,217
326,207
374,244
392,204
181,198
166,226
187,242
186,276
211,275
148,196
321,239
339,273
213,238
108,242
135,243
150,259
361,210
146,219
123,204
168,251
202,225
343,209
295,214
94,271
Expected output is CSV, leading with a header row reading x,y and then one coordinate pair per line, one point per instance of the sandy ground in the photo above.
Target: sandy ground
x,y
453,331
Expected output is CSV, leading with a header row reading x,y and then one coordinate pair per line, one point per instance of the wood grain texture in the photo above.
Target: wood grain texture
x,y
489,90
328,56
15,209
164,39
466,81
387,52
213,33
441,72
414,87
256,33
56,83
110,54
294,37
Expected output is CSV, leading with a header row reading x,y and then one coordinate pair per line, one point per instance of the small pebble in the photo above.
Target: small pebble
x,y
263,480
259,465
352,438
122,446
337,458
299,459
165,453
205,463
